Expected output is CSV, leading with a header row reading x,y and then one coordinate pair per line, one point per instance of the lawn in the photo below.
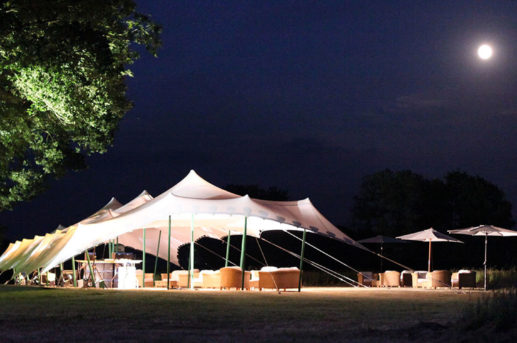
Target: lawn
x,y
316,314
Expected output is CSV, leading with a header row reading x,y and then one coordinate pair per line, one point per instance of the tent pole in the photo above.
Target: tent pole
x,y
301,260
243,251
92,275
39,275
74,278
143,263
116,247
191,255
169,256
429,260
110,248
484,263
61,278
227,249
156,257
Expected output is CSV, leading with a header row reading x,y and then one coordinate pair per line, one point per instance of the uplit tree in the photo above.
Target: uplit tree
x,y
63,65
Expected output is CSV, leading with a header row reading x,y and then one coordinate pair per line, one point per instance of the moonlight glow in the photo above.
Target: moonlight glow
x,y
485,52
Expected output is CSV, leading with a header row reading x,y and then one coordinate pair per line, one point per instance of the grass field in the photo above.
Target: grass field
x,y
316,314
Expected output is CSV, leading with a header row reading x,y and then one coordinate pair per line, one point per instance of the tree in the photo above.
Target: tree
x,y
63,64
389,203
255,191
474,201
395,203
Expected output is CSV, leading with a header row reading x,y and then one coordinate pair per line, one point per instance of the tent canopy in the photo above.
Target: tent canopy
x,y
212,211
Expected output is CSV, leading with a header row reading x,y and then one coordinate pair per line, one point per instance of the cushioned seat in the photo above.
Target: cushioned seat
x,y
419,279
369,279
231,277
277,278
391,278
210,278
183,280
439,278
464,278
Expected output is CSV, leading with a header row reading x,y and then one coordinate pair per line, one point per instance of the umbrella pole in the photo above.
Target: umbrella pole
x,y
227,250
484,263
382,250
243,251
143,263
191,259
301,260
156,257
169,256
429,259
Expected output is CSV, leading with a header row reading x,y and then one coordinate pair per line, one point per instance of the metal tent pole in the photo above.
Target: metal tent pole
x,y
301,260
157,252
227,249
484,263
143,263
169,256
116,247
74,278
92,274
191,255
243,251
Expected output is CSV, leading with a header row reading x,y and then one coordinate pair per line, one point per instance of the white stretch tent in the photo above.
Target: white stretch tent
x,y
195,202
47,246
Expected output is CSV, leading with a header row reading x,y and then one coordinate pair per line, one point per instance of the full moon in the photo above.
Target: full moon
x,y
485,52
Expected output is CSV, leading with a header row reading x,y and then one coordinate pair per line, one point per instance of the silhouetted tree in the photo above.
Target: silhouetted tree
x,y
255,191
395,203
474,201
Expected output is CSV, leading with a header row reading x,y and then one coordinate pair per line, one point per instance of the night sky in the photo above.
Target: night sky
x,y
309,96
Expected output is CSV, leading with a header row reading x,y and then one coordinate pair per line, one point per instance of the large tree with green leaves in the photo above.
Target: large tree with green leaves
x,y
63,65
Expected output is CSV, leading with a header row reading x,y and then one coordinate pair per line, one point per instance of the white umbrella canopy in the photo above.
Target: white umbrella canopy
x,y
484,230
430,235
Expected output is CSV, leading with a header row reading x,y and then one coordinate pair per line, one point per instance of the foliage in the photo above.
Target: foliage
x,y
63,64
495,311
255,191
395,203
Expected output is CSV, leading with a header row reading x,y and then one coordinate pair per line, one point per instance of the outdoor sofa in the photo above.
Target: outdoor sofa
x,y
277,278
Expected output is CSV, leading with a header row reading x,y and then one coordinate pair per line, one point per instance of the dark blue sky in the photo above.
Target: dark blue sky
x,y
305,95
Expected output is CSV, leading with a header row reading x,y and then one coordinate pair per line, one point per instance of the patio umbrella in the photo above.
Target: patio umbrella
x,y
430,235
380,239
484,230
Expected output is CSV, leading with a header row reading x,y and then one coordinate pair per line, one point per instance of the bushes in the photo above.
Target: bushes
x,y
493,312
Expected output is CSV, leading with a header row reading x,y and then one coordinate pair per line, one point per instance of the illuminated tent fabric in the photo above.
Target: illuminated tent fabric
x,y
5,256
213,212
51,244
23,250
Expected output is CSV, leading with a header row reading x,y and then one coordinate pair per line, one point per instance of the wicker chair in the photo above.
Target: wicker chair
x,y
149,278
211,278
391,278
464,278
183,280
278,278
419,279
406,279
368,279
439,278
231,277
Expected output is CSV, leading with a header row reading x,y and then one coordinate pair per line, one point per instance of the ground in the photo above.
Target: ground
x,y
315,314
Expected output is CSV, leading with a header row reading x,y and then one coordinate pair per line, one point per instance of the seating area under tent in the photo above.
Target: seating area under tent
x,y
189,211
